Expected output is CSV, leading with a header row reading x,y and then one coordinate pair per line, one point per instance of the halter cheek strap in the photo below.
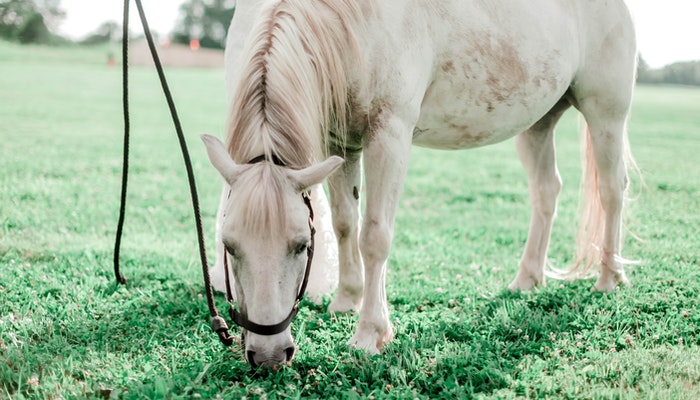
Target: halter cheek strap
x,y
268,330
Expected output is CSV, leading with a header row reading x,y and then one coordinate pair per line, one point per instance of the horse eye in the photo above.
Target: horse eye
x,y
300,249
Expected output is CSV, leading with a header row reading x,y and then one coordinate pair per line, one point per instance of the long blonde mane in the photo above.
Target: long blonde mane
x,y
293,85
292,89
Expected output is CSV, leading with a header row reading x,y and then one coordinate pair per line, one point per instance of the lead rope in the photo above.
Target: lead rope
x,y
218,324
125,162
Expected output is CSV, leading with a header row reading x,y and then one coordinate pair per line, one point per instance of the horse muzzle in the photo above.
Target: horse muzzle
x,y
268,351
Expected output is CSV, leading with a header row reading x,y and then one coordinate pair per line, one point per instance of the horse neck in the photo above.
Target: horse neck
x,y
293,87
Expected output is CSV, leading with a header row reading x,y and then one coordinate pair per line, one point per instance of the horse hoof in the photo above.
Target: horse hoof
x,y
371,340
608,282
368,345
524,283
343,304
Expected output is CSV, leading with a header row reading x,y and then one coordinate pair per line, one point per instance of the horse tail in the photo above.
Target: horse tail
x,y
591,225
589,240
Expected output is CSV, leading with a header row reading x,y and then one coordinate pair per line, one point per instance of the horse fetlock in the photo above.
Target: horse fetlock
x,y
344,302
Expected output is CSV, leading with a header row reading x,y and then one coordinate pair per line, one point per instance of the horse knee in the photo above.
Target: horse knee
x,y
375,240
345,219
344,227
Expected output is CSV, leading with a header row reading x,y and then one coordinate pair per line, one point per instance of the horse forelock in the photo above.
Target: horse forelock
x,y
260,196
293,85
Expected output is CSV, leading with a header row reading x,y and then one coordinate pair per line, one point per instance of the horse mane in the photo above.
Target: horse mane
x,y
293,85
292,89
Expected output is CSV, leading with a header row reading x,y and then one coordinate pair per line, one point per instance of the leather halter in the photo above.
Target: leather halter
x,y
241,319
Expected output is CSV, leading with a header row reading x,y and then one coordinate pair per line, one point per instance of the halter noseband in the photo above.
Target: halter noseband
x,y
241,319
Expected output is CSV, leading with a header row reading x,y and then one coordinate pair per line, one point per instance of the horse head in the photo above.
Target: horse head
x,y
267,234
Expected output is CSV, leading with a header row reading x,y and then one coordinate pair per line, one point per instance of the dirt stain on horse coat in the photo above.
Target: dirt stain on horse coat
x,y
506,73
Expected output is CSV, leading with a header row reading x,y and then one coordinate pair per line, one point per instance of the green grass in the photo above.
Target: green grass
x,y
67,331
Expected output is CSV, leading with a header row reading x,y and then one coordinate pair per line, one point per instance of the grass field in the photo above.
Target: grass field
x,y
67,331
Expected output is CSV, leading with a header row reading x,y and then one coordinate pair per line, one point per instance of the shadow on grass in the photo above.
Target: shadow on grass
x,y
443,351
155,330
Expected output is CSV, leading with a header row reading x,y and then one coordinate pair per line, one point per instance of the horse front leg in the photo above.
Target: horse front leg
x,y
386,156
344,187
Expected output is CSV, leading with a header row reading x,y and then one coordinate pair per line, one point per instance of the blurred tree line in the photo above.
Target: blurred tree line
x,y
33,21
679,73
30,21
204,20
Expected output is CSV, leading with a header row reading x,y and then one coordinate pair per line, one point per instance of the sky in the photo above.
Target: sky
x,y
667,31
84,16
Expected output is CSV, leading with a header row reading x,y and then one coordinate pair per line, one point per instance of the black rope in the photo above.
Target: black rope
x,y
125,162
218,323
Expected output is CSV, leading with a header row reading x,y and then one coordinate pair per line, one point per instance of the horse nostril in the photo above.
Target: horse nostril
x,y
289,351
250,355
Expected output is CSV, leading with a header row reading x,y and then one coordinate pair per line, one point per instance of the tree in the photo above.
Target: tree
x,y
645,74
683,73
204,20
29,21
109,31
678,73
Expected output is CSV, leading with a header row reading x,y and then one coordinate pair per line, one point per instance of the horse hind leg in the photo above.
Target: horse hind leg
x,y
602,239
536,150
602,90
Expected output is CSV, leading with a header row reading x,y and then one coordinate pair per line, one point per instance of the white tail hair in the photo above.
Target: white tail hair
x,y
591,225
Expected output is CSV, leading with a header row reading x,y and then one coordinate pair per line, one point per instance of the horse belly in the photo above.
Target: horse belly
x,y
490,83
460,117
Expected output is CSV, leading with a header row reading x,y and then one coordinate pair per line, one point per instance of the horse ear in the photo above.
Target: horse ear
x,y
221,159
315,174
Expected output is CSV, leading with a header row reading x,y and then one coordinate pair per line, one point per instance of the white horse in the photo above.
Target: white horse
x,y
363,80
